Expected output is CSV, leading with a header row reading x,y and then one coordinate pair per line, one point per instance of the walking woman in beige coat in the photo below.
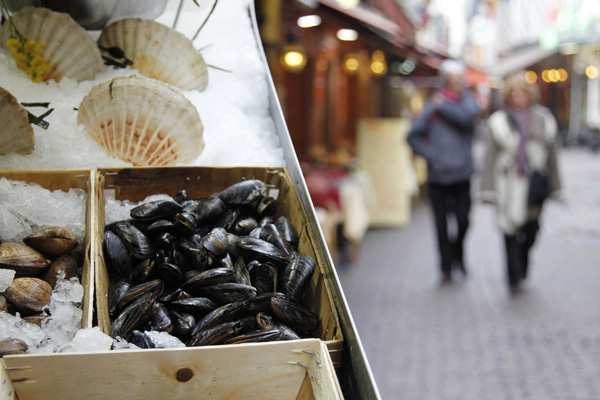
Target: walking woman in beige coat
x,y
520,170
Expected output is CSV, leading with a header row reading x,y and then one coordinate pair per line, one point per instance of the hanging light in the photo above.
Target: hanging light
x,y
546,76
562,75
309,21
591,72
347,35
378,63
351,64
348,3
531,76
293,58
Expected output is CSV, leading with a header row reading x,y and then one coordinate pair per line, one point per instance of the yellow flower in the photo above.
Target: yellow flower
x,y
14,45
39,47
30,46
36,61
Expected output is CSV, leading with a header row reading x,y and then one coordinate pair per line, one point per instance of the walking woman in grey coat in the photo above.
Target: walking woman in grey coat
x,y
522,145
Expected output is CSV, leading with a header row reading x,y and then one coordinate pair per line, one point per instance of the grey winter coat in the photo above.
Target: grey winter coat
x,y
443,135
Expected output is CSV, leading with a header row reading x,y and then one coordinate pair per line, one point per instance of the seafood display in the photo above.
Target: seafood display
x,y
213,270
142,121
16,135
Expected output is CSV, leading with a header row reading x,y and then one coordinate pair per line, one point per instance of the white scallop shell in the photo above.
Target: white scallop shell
x,y
158,52
68,48
142,121
16,134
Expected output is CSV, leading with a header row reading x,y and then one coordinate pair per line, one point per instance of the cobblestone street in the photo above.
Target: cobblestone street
x,y
472,339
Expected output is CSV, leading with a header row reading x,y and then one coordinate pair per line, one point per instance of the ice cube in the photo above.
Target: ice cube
x,y
91,339
164,340
6,278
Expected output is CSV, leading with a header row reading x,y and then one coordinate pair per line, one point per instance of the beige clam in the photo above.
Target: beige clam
x,y
63,263
52,241
158,52
21,258
12,346
68,48
16,135
29,294
142,121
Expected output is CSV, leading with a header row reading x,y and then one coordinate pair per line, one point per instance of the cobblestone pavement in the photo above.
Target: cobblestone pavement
x,y
472,339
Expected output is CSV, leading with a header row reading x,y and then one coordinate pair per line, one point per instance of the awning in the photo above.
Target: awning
x,y
520,59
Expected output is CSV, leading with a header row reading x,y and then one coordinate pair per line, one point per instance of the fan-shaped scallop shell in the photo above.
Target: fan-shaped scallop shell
x,y
16,135
68,48
157,52
142,121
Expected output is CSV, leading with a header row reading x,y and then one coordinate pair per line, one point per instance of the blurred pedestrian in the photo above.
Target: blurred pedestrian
x,y
520,170
442,135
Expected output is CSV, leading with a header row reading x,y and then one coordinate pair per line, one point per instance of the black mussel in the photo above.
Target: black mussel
x,y
196,255
215,335
116,290
266,206
226,261
296,276
134,292
208,278
216,242
244,192
170,274
263,277
262,302
190,274
241,272
265,321
160,320
183,295
228,219
271,234
206,210
298,318
248,324
167,241
256,337
154,210
134,315
181,197
287,230
185,222
261,250
145,271
197,306
265,221
180,260
183,323
243,226
227,292
170,296
255,233
162,256
161,226
117,256
138,244
226,313
141,340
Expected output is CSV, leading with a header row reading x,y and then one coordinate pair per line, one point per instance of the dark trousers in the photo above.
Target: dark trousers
x,y
446,201
517,251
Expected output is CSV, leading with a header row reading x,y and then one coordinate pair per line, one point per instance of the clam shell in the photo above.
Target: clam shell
x,y
29,294
52,241
68,48
16,135
21,258
158,52
12,346
142,121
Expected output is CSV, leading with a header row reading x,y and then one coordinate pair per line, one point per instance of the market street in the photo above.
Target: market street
x,y
472,339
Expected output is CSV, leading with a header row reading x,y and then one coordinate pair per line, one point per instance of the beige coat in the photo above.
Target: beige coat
x,y
500,182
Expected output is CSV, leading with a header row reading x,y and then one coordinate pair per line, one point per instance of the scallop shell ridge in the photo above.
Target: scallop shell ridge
x,y
16,135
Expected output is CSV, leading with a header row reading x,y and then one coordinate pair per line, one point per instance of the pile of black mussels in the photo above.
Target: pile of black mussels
x,y
215,270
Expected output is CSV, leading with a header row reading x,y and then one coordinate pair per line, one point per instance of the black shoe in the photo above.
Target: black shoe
x,y
461,267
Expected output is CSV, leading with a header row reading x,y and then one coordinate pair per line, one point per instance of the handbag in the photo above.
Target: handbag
x,y
538,189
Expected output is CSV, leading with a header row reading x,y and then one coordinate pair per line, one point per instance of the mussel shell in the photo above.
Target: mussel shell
x,y
166,241
141,340
185,222
266,206
170,274
154,210
265,221
197,306
296,277
208,278
145,271
181,196
241,272
258,249
227,292
271,234
265,321
183,323
205,210
64,264
228,218
29,295
197,256
244,192
134,315
22,259
228,312
256,337
243,226
298,318
137,291
52,241
215,334
255,233
160,320
262,302
12,346
226,261
136,242
161,226
116,290
216,241
287,230
263,277
117,256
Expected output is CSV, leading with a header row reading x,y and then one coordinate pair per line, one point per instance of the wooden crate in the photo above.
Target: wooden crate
x,y
299,369
135,184
64,180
